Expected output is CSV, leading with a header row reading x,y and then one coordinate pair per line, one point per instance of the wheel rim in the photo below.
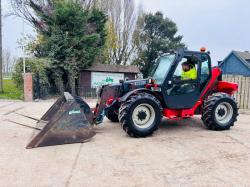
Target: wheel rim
x,y
224,113
143,116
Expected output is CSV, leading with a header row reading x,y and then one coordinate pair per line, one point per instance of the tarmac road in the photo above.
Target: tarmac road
x,y
179,153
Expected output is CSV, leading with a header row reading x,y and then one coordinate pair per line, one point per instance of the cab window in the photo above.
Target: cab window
x,y
181,74
205,71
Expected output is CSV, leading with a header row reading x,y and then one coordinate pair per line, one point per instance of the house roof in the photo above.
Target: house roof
x,y
113,68
244,57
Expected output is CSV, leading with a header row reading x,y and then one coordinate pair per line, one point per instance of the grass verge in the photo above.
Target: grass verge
x,y
10,91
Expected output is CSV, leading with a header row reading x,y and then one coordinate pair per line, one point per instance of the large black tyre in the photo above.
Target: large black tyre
x,y
112,114
140,115
219,111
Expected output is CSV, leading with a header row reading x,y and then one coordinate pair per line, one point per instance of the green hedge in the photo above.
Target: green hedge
x,y
34,65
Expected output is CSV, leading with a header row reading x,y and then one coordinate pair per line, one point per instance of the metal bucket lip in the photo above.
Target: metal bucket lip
x,y
69,120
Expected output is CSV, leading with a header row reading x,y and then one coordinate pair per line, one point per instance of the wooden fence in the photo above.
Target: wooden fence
x,y
243,94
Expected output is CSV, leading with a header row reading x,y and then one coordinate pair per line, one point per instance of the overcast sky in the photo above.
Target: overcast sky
x,y
219,25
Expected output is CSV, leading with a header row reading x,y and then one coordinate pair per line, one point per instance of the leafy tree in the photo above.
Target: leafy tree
x,y
67,34
154,35
33,45
36,66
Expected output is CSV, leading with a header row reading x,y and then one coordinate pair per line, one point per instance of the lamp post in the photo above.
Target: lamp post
x,y
24,63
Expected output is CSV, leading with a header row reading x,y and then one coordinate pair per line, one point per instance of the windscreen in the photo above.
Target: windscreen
x,y
163,66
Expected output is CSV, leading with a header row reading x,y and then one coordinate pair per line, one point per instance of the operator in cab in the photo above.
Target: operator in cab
x,y
188,71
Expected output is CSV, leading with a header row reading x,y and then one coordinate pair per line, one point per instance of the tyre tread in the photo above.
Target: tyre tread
x,y
124,112
208,107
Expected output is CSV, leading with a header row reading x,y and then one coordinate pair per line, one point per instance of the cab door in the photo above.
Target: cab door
x,y
183,94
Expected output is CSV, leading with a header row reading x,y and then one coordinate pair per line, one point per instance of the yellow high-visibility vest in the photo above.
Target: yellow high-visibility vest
x,y
191,74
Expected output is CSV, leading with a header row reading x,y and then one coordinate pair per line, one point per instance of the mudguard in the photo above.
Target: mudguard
x,y
227,87
140,90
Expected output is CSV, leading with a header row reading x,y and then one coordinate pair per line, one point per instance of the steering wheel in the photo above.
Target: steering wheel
x,y
176,78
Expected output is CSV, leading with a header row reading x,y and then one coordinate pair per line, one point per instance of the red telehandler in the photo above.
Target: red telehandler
x,y
139,105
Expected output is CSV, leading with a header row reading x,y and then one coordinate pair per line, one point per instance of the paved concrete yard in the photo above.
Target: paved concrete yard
x,y
179,153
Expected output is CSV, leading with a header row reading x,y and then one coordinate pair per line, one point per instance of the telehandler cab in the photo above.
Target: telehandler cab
x,y
139,105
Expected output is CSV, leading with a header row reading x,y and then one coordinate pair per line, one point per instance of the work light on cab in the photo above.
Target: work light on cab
x,y
203,49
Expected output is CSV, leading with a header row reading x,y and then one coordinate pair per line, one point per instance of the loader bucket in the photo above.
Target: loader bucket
x,y
67,121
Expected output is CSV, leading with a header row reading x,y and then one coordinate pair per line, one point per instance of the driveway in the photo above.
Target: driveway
x,y
179,153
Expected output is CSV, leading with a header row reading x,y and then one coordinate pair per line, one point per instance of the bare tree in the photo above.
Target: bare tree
x,y
24,9
138,40
8,62
122,21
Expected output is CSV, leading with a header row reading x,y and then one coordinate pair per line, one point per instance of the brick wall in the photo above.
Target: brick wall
x,y
28,87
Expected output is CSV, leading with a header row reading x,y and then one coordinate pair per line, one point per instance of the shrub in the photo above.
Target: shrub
x,y
40,69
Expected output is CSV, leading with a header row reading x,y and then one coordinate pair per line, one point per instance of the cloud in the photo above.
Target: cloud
x,y
12,30
221,25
